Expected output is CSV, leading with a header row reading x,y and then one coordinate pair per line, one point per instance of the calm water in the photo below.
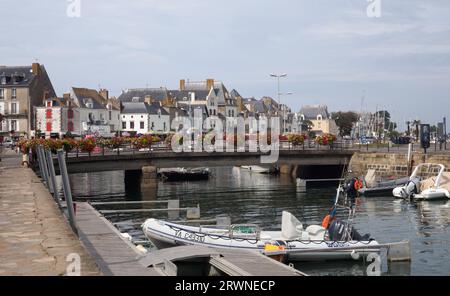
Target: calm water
x,y
259,199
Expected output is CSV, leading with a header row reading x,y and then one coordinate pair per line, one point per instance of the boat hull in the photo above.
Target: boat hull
x,y
165,234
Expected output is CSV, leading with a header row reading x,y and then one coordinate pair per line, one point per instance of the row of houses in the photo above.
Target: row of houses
x,y
30,107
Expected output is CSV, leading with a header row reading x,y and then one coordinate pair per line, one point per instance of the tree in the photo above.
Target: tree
x,y
307,125
345,121
416,124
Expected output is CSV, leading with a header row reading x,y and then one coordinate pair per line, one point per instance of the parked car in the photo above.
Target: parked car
x,y
8,143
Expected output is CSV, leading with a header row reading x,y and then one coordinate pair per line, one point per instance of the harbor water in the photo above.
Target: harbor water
x,y
259,199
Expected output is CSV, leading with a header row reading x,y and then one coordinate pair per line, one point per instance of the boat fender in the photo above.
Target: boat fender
x,y
326,221
358,184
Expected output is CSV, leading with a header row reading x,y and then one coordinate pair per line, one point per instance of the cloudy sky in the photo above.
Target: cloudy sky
x,y
332,51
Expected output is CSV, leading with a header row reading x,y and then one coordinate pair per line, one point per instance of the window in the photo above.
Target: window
x,y
124,125
2,93
132,124
49,103
153,125
141,125
49,127
70,126
110,115
13,125
70,113
123,116
13,108
14,93
48,113
164,126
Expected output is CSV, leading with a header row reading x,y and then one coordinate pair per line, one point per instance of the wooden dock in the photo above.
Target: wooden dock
x,y
115,255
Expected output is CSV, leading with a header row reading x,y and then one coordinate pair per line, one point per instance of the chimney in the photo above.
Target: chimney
x,y
148,99
209,83
182,84
35,68
104,93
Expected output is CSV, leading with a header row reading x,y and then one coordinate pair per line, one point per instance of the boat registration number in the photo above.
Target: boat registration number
x,y
190,236
337,244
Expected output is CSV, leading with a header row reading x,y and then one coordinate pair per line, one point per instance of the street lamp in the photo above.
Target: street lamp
x,y
278,90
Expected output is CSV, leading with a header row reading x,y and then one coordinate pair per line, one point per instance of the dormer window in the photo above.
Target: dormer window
x,y
89,104
319,117
3,79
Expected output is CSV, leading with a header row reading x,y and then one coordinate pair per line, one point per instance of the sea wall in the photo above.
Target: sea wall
x,y
392,164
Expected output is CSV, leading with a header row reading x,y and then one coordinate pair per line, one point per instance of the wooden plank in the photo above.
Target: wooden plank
x,y
113,254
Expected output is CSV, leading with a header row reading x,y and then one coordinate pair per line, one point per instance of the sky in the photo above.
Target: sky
x,y
331,50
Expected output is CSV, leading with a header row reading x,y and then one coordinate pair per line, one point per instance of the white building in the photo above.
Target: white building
x,y
83,111
143,118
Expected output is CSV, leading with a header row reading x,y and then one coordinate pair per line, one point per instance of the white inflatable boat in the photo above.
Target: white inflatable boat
x,y
297,243
428,189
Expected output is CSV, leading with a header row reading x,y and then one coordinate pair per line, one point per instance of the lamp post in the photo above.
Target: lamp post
x,y
278,76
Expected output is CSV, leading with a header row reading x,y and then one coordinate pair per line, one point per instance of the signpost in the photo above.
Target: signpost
x,y
425,136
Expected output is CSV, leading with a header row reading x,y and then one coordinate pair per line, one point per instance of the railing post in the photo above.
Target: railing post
x,y
44,165
67,190
48,163
52,176
39,160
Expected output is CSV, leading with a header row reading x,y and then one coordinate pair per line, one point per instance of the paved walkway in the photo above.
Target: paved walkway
x,y
35,239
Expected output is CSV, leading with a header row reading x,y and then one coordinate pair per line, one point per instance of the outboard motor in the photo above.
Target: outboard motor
x,y
339,229
409,190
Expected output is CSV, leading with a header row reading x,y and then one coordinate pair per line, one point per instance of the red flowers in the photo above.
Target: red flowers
x,y
326,139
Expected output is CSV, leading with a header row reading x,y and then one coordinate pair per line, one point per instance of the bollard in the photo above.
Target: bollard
x,y
67,190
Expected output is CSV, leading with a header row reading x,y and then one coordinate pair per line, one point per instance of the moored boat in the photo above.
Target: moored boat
x,y
299,243
183,174
436,187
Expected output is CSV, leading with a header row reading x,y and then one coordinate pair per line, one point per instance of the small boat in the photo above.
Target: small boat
x,y
425,189
183,174
298,243
260,169
383,188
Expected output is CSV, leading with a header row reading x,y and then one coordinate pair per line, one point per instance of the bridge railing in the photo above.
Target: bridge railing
x,y
340,145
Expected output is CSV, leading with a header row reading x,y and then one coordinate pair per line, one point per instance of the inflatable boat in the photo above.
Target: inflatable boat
x,y
425,189
299,244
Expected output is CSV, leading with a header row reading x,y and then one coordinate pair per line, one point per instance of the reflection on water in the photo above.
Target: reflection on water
x,y
256,198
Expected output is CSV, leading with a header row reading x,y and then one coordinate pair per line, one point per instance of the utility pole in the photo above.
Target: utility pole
x,y
278,94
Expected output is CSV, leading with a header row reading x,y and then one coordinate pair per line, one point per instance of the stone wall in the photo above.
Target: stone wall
x,y
392,164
